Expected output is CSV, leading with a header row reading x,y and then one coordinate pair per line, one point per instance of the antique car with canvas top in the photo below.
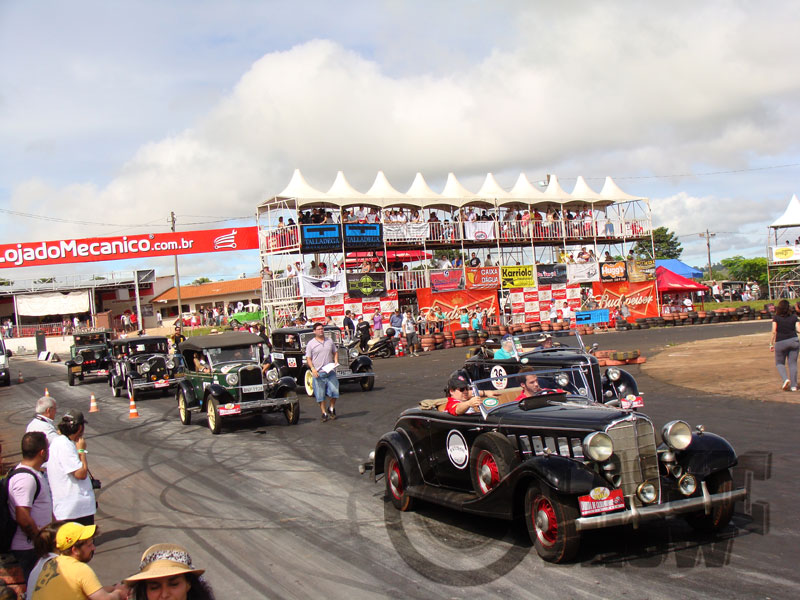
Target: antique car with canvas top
x,y
560,461
289,356
552,350
143,364
89,356
224,378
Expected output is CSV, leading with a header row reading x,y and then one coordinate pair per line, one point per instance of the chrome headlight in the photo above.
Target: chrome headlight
x,y
78,359
353,353
613,373
145,367
647,493
170,364
562,380
687,484
232,378
598,446
677,435
272,375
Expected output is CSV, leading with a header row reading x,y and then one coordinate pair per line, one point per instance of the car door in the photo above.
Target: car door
x,y
451,439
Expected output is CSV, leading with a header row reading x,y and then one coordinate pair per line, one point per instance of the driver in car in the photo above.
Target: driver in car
x,y
459,399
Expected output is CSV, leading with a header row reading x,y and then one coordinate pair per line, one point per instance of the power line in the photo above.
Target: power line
x,y
675,175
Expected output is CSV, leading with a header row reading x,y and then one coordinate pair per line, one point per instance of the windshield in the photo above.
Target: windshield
x,y
330,334
242,353
90,339
535,382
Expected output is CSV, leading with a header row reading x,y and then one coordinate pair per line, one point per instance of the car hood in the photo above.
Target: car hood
x,y
567,415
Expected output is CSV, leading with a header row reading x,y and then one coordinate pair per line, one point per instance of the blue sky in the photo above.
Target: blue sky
x,y
118,112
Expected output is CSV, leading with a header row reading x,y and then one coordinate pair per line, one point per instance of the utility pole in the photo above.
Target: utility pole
x,y
707,235
177,278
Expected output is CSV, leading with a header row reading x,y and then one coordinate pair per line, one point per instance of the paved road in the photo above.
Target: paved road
x,y
280,511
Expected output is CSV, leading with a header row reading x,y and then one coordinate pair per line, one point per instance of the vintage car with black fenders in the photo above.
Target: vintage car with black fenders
x,y
89,356
143,364
552,350
224,379
559,461
289,356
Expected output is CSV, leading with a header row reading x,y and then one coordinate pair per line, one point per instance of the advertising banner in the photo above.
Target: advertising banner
x,y
533,305
588,317
641,270
785,253
448,280
315,287
550,274
451,303
121,247
366,285
583,272
640,297
335,306
517,277
479,230
320,238
401,232
483,278
363,236
613,271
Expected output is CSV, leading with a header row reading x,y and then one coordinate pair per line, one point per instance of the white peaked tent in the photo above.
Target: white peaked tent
x,y
383,194
791,216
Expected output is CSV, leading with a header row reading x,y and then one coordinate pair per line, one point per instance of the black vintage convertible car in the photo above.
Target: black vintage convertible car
x,y
551,351
560,461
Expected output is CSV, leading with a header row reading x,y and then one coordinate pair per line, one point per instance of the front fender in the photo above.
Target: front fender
x,y
188,393
625,379
220,394
403,449
564,475
708,453
283,386
360,362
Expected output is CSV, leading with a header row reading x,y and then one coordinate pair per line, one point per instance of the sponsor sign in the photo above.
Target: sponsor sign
x,y
457,450
451,303
583,273
586,317
631,401
517,277
401,232
599,500
550,274
448,280
81,250
366,285
483,278
363,236
292,362
229,409
320,238
613,271
641,270
479,230
785,253
640,297
320,287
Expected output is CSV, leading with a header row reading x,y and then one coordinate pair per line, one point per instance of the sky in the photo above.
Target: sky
x,y
113,114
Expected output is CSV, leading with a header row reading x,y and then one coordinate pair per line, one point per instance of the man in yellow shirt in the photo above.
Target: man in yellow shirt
x,y
68,577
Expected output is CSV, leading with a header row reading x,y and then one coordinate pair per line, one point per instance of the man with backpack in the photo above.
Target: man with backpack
x,y
29,504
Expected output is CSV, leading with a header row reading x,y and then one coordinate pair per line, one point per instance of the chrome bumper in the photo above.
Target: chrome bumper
x,y
151,385
636,515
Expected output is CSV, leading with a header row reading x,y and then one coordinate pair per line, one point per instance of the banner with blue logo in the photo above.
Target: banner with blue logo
x,y
363,236
320,238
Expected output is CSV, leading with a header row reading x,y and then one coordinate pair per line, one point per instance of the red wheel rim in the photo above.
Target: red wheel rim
x,y
488,473
544,521
395,480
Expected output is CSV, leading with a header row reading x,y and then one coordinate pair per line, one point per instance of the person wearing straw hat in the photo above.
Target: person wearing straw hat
x,y
166,572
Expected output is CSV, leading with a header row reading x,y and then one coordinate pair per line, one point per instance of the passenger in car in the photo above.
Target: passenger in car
x,y
506,348
199,364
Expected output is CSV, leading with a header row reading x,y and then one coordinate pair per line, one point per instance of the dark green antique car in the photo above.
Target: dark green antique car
x,y
89,356
224,378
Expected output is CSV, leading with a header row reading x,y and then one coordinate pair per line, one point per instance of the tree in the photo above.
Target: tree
x,y
6,281
665,242
46,280
744,269
200,280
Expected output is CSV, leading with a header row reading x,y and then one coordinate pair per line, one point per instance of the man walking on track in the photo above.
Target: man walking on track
x,y
321,359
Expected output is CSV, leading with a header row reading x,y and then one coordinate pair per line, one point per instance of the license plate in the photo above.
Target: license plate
x,y
229,409
277,355
75,369
344,371
162,384
102,372
600,500
247,389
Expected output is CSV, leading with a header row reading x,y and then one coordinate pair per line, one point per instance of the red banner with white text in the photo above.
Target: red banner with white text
x,y
123,247
640,297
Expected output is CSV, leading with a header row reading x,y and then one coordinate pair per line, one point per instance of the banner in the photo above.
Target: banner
x,y
400,232
451,303
53,303
640,297
366,285
319,287
613,271
121,247
532,305
317,309
517,277
483,278
550,274
641,270
448,280
583,272
320,238
785,253
363,236
479,230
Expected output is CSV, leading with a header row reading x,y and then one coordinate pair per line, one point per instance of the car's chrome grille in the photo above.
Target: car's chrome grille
x,y
158,367
634,454
250,375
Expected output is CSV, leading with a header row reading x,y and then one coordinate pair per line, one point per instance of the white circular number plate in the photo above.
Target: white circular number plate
x,y
457,449
498,371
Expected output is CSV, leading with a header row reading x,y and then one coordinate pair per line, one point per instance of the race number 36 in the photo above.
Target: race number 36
x,y
499,371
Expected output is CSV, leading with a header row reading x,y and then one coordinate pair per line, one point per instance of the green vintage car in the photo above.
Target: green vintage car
x,y
224,379
89,356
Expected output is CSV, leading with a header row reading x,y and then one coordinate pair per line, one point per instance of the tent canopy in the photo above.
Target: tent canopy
x,y
791,216
681,268
667,281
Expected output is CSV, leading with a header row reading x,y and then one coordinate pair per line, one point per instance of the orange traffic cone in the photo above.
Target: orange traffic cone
x,y
93,405
46,393
134,414
20,379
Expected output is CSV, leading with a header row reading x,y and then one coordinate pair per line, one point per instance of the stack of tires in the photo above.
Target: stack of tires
x,y
428,343
623,325
461,337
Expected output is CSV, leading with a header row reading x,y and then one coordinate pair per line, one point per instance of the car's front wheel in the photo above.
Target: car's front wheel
x,y
396,483
183,410
720,514
71,379
550,518
212,412
292,412
308,383
367,383
491,459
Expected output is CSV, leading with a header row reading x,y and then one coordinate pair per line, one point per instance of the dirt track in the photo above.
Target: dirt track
x,y
739,366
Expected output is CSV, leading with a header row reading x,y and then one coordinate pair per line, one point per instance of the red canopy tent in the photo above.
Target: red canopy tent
x,y
672,283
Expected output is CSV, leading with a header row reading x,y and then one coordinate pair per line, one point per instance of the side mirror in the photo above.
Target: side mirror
x,y
594,348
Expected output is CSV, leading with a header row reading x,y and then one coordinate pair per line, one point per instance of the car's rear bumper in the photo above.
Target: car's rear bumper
x,y
635,516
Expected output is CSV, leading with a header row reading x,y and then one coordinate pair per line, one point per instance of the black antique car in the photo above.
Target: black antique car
x,y
562,462
224,378
143,364
89,356
289,356
551,351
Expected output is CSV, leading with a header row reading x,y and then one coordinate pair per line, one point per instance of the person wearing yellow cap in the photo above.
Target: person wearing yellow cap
x,y
69,577
166,572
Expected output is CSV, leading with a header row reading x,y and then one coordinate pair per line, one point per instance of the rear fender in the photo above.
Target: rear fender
x,y
397,442
708,453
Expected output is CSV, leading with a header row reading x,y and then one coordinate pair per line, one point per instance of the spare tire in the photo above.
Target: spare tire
x,y
491,459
